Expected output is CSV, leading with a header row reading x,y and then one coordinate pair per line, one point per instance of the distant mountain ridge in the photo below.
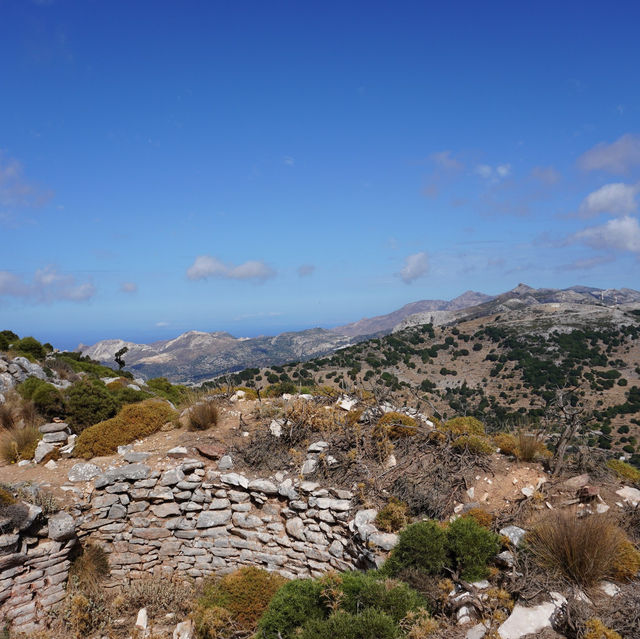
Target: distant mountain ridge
x,y
196,356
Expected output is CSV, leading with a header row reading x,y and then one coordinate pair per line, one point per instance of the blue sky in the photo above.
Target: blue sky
x,y
264,166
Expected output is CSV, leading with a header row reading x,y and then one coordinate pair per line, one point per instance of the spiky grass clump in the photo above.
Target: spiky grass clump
x,y
203,416
583,550
19,443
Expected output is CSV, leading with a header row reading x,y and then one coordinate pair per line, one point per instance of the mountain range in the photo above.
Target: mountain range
x,y
196,356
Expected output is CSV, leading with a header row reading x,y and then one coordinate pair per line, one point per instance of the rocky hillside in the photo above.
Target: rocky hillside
x,y
197,356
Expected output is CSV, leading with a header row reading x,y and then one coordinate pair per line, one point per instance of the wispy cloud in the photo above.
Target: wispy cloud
x,y
46,286
445,160
305,270
288,160
207,266
162,324
493,173
586,264
415,266
615,199
618,157
128,287
16,191
619,234
546,174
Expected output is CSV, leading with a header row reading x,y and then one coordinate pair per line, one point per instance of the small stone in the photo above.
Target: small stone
x,y
50,465
212,518
225,463
263,486
317,447
515,534
178,451
53,427
276,427
528,491
42,450
310,465
55,438
211,451
234,479
295,528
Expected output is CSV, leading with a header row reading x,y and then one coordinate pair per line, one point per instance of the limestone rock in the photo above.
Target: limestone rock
x,y
130,472
629,494
184,630
84,472
530,621
225,463
295,528
310,465
234,479
42,450
212,518
61,526
263,486
53,427
514,534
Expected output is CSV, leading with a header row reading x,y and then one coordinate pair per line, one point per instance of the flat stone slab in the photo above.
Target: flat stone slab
x,y
53,427
84,472
61,526
130,472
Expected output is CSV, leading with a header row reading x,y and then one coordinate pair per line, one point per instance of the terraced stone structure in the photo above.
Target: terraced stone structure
x,y
196,522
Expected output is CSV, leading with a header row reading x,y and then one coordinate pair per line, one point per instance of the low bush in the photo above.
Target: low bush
x,y
624,470
463,426
422,546
159,595
49,401
30,347
507,443
203,415
473,444
240,598
19,443
482,517
470,547
584,550
89,402
395,425
297,602
392,516
344,625
132,422
350,605
162,387
30,385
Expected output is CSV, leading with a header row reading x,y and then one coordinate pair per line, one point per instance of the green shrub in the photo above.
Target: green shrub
x,y
243,595
421,545
126,395
367,590
470,547
6,339
296,603
624,470
30,347
132,422
89,402
49,401
395,425
30,386
164,388
344,625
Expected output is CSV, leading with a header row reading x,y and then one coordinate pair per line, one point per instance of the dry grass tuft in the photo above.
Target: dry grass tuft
x,y
583,550
18,443
89,569
203,416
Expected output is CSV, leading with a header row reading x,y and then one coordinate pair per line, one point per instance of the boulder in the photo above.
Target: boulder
x,y
530,621
61,526
84,472
629,494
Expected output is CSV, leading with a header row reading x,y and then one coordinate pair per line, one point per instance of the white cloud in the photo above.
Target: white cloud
x,y
415,266
162,324
128,287
617,157
207,266
46,286
493,173
305,270
616,199
619,234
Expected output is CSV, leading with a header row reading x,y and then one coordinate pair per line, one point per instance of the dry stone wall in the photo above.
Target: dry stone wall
x,y
191,521
34,568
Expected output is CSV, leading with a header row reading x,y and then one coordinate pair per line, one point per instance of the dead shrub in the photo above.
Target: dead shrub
x,y
392,517
159,595
203,416
7,418
395,425
89,569
583,550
